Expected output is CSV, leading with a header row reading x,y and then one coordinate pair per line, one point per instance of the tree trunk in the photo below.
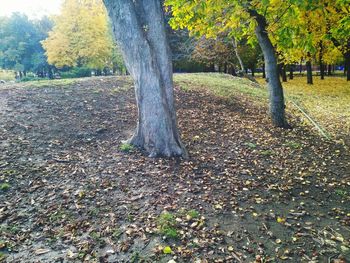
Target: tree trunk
x,y
321,70
277,107
309,70
347,65
329,70
263,71
212,67
235,47
139,29
291,71
284,73
321,61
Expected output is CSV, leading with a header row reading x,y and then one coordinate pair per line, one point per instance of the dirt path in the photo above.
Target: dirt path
x,y
248,192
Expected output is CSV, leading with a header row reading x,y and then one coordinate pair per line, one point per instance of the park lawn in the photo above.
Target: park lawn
x,y
222,85
326,101
7,75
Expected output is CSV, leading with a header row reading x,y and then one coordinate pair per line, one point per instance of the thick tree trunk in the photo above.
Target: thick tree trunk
x,y
277,106
139,29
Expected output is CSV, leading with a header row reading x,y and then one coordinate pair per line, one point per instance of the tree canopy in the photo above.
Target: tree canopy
x,y
81,36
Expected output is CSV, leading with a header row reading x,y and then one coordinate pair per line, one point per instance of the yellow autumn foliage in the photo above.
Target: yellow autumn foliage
x,y
326,101
81,36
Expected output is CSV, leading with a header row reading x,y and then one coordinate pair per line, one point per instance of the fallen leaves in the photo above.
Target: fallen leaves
x,y
237,199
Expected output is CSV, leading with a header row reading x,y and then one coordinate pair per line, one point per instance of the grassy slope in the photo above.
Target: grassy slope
x,y
220,84
327,101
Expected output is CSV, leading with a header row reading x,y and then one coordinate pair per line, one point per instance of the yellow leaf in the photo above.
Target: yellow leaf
x,y
281,220
167,250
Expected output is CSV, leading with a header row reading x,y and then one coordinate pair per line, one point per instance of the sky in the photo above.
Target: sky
x,y
32,8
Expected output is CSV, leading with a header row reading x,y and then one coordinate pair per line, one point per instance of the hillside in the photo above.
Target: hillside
x,y
71,192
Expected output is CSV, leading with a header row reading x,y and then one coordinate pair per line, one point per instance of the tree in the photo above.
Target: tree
x,y
20,47
81,36
139,29
241,18
213,52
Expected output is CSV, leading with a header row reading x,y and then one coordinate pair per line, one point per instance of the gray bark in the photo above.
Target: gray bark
x,y
235,47
139,29
277,106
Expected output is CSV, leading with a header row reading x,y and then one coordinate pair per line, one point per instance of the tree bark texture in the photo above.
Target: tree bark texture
x,y
139,29
277,106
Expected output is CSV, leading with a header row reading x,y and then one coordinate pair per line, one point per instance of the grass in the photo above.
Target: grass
x,y
5,186
167,225
49,82
126,147
326,101
222,85
7,75
193,213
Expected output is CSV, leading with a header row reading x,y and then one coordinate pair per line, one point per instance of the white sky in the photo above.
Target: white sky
x,y
32,8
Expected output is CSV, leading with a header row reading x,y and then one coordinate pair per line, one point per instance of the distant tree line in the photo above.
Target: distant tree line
x,y
20,47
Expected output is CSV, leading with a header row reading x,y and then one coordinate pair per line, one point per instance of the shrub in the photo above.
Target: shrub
x,y
76,73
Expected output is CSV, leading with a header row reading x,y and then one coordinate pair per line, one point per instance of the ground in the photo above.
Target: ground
x,y
71,192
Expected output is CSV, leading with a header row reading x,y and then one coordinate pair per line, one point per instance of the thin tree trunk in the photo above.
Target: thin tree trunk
x,y
321,61
309,70
321,70
291,71
277,106
284,72
347,65
235,47
212,67
263,71
139,29
329,70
